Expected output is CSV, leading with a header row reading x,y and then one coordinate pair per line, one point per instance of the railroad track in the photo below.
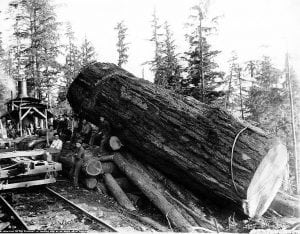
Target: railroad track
x,y
10,219
31,210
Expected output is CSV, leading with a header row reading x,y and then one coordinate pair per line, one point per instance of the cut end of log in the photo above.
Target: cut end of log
x,y
266,181
115,143
90,182
92,167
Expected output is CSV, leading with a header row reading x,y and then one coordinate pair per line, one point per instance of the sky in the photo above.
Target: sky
x,y
252,28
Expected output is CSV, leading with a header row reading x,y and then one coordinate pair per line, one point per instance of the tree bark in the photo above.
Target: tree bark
x,y
110,167
189,141
142,180
90,182
170,191
117,192
126,185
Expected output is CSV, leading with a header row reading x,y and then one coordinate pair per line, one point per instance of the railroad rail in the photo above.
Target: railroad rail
x,y
14,221
18,223
82,210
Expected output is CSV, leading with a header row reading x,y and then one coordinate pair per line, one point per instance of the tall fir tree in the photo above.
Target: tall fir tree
x,y
156,64
122,45
88,53
203,78
170,69
36,47
229,79
236,92
72,63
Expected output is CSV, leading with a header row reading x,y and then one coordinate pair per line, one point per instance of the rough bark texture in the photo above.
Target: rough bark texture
x,y
163,185
141,179
186,139
117,192
90,182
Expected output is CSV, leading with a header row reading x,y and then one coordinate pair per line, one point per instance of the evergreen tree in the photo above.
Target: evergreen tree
x,y
16,60
170,68
88,53
122,46
72,55
2,52
251,67
239,83
229,78
203,78
36,43
156,63
264,102
72,63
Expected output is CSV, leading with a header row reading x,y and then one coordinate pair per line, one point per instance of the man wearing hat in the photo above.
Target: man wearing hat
x,y
78,160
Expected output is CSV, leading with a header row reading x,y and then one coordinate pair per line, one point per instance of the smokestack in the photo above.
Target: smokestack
x,y
22,88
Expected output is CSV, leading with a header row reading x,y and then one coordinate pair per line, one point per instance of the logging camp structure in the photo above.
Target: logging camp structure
x,y
19,166
28,113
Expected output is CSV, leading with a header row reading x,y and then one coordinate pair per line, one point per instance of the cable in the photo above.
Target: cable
x,y
231,159
169,223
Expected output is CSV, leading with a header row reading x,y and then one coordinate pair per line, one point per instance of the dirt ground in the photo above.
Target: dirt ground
x,y
106,208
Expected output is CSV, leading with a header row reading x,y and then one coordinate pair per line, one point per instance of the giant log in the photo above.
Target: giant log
x,y
203,147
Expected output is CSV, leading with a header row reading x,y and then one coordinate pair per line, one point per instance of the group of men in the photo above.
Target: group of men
x,y
84,133
90,133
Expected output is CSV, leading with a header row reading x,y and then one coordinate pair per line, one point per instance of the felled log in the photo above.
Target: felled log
x,y
149,188
125,184
117,192
110,167
184,198
152,223
189,141
162,184
90,182
92,167
106,158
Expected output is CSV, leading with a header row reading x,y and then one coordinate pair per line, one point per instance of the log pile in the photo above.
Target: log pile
x,y
197,146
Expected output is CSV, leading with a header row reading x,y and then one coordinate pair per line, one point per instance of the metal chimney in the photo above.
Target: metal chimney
x,y
22,88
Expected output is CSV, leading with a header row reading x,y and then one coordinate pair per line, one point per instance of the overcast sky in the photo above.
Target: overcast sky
x,y
250,27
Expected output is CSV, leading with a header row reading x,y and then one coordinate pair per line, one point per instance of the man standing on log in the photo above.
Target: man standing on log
x,y
78,160
105,130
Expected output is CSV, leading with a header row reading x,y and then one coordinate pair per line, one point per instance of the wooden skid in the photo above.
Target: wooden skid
x,y
25,153
47,167
27,183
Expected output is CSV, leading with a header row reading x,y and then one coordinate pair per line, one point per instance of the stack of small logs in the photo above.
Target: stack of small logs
x,y
125,178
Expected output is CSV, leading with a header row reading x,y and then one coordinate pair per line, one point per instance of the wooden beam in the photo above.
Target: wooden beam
x,y
46,120
39,112
26,153
20,121
26,113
